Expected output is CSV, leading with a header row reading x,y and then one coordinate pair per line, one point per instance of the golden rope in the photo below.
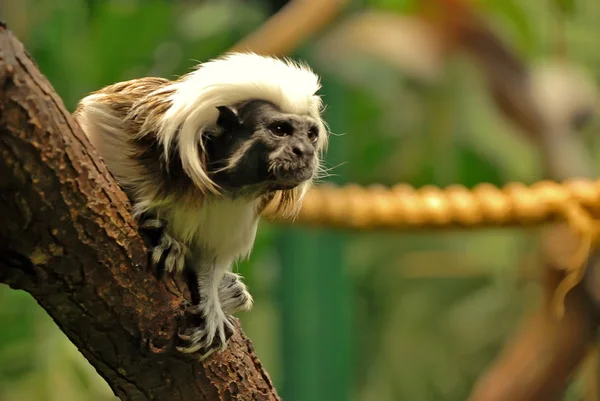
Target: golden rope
x,y
402,206
577,201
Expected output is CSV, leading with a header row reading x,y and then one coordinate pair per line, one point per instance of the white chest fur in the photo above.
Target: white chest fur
x,y
222,230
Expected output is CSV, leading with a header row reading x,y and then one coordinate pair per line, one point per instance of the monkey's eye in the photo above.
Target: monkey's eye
x,y
313,134
281,128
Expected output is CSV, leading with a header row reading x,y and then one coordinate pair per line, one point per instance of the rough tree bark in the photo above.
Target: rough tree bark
x,y
68,239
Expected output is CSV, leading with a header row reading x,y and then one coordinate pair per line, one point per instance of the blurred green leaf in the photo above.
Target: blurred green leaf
x,y
403,6
566,6
514,14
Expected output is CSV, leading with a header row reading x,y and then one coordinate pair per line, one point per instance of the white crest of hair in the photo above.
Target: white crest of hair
x,y
227,81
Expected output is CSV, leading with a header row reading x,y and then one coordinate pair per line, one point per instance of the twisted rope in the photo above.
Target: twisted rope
x,y
576,201
403,207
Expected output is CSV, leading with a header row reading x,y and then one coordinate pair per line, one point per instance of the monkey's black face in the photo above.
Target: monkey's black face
x,y
262,149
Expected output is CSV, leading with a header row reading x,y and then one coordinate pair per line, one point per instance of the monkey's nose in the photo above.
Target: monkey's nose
x,y
303,150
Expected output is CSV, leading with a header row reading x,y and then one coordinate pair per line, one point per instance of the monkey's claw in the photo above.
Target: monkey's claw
x,y
151,229
168,256
208,336
166,253
233,294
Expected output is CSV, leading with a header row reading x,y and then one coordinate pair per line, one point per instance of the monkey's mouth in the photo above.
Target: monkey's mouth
x,y
285,174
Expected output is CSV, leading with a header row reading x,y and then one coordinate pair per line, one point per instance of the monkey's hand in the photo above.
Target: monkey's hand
x,y
234,294
206,328
166,253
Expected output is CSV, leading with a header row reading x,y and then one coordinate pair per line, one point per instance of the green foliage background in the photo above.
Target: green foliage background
x,y
420,315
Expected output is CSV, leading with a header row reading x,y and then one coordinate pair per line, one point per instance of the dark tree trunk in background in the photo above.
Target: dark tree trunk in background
x,y
68,239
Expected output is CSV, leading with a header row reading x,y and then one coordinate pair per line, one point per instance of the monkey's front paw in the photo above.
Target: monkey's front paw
x,y
168,256
151,229
233,294
207,336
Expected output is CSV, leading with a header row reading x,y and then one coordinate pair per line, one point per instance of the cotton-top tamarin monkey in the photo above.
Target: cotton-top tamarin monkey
x,y
200,158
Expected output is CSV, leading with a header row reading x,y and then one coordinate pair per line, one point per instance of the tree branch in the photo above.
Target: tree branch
x,y
291,26
69,240
538,362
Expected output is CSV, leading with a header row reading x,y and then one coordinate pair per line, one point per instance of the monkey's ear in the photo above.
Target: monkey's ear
x,y
228,118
